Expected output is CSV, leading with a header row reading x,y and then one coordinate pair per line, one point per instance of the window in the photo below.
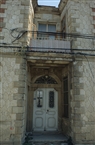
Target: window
x,y
47,28
51,99
66,99
42,27
39,99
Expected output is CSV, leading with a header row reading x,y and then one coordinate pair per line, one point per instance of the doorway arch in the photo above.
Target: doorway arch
x,y
46,84
52,76
54,84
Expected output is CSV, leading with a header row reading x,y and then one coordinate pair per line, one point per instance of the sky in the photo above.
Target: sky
x,y
49,2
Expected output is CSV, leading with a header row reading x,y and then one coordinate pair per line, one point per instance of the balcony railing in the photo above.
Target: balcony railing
x,y
49,42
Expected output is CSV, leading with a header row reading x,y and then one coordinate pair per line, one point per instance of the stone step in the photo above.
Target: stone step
x,y
47,139
50,143
46,143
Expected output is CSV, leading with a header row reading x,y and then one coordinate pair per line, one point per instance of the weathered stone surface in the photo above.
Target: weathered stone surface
x,y
80,18
19,84
20,103
79,97
9,99
19,130
21,90
19,123
19,116
18,96
22,77
18,109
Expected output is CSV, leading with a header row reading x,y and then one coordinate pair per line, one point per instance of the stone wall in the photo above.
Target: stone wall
x,y
83,101
80,19
15,16
47,15
12,99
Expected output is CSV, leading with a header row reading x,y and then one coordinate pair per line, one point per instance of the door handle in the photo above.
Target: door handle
x,y
47,110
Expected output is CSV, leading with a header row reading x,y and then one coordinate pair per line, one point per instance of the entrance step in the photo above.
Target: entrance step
x,y
48,137
43,138
53,143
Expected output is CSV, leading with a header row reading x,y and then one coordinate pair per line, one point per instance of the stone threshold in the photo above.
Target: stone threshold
x,y
46,138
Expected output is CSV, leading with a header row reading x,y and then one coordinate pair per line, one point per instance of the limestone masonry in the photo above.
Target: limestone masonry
x,y
71,26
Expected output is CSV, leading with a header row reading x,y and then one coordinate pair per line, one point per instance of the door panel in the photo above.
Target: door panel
x,y
39,110
52,110
45,110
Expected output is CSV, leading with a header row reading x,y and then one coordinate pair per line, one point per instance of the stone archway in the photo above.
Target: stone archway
x,y
47,80
45,105
52,75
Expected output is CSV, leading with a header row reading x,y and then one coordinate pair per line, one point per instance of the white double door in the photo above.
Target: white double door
x,y
45,110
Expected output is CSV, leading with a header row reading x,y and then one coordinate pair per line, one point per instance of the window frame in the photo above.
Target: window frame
x,y
47,27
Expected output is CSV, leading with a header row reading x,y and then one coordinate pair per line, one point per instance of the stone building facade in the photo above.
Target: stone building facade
x,y
31,61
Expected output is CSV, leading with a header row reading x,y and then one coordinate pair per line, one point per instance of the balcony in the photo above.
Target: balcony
x,y
49,42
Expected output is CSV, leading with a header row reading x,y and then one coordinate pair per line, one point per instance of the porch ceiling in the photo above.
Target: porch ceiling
x,y
51,59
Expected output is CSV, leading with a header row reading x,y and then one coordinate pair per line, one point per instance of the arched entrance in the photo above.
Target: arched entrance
x,y
45,106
